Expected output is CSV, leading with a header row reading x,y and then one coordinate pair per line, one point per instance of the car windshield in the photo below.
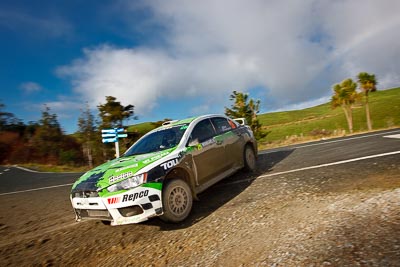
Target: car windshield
x,y
159,140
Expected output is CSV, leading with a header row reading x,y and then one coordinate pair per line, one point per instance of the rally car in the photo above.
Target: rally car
x,y
164,171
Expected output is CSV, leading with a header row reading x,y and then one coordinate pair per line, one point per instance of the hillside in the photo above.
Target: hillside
x,y
323,121
320,121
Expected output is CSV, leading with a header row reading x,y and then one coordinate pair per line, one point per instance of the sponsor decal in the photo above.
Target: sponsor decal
x,y
205,144
113,200
169,164
125,175
133,197
128,167
156,157
208,142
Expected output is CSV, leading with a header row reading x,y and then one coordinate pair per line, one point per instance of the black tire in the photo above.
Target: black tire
x,y
249,159
177,201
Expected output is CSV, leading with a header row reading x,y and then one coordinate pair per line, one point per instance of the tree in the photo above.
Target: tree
x,y
87,134
368,84
112,113
345,95
9,122
243,107
48,137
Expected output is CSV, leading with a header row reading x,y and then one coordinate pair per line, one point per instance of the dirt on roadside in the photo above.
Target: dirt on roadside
x,y
325,217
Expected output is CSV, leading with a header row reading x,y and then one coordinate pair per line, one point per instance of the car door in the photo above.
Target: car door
x,y
231,139
209,157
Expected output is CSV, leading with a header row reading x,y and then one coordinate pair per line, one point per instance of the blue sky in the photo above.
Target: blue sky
x,y
176,58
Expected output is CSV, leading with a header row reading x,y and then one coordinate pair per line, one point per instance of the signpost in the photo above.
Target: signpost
x,y
112,135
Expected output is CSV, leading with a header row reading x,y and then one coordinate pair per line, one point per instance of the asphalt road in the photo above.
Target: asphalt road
x,y
37,221
15,179
287,159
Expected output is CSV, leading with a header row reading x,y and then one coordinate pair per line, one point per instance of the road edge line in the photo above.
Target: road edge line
x,y
34,189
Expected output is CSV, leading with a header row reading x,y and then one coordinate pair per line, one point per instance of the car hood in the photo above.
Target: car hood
x,y
116,170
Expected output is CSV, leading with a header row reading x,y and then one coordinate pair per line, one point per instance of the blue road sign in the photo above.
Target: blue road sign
x,y
108,135
108,131
122,135
110,140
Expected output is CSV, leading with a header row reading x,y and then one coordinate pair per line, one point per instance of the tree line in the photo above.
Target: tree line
x,y
44,142
346,96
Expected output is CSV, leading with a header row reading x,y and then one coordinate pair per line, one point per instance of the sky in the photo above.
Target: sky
x,y
181,58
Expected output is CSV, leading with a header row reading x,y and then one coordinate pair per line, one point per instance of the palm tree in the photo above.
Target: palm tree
x,y
368,84
345,95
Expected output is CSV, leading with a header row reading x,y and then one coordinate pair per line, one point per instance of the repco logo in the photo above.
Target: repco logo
x,y
133,197
169,164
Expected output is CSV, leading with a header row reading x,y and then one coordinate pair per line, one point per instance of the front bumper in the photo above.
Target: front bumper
x,y
132,206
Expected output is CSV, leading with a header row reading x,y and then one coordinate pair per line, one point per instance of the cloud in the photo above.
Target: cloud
x,y
295,51
31,87
63,108
20,20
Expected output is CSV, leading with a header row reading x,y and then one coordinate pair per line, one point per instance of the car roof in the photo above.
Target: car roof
x,y
172,123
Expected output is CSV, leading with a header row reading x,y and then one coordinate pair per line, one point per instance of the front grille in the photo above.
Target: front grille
x,y
93,214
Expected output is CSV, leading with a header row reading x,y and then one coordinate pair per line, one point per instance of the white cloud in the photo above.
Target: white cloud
x,y
31,87
63,108
295,50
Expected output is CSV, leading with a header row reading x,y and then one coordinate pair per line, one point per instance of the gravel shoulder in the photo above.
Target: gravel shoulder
x,y
346,215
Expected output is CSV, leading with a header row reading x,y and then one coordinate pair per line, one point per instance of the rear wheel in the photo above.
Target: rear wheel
x,y
249,158
177,201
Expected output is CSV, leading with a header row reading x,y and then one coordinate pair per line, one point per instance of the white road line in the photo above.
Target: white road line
x,y
24,169
347,139
397,136
28,170
240,181
330,142
35,189
318,166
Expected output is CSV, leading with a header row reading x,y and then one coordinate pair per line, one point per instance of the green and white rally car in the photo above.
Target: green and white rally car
x,y
164,170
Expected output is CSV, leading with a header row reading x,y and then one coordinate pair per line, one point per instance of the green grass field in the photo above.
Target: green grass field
x,y
320,121
141,128
323,121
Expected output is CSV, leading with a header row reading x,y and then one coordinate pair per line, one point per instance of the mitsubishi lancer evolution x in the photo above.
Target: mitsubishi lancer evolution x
x,y
163,171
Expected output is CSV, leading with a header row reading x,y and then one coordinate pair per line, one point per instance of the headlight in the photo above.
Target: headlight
x,y
128,183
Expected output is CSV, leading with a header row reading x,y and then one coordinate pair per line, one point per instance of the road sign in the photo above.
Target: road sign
x,y
112,135
110,140
108,131
108,135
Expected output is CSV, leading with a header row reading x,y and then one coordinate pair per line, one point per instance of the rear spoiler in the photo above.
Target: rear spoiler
x,y
241,121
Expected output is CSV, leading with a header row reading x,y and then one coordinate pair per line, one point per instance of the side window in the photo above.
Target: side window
x,y
203,131
221,125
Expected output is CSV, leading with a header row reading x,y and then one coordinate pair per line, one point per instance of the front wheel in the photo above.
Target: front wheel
x,y
249,158
177,201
